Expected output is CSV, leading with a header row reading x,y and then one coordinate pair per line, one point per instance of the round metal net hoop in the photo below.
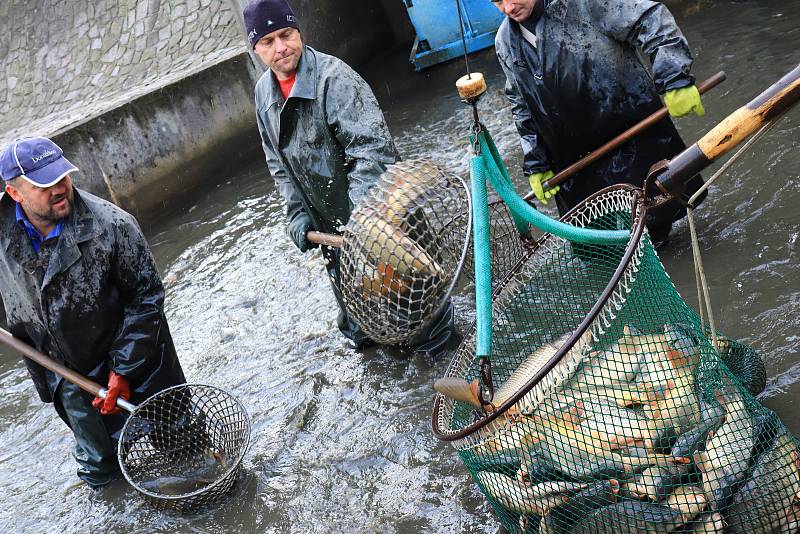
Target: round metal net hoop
x,y
403,249
182,447
612,410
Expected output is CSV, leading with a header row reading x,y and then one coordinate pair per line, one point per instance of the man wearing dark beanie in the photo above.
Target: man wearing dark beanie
x,y
324,138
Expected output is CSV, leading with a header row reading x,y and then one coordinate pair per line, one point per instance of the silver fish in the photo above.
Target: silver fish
x,y
728,451
762,503
709,523
528,499
533,364
657,482
561,519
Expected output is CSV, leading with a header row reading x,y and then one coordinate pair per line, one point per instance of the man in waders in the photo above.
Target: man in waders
x,y
79,284
576,79
325,141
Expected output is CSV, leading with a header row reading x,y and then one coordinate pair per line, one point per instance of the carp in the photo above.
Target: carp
x,y
404,183
524,498
561,520
637,517
388,245
460,389
657,482
712,416
728,452
763,502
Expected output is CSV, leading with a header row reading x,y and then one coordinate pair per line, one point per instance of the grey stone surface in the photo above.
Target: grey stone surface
x,y
151,98
170,141
65,62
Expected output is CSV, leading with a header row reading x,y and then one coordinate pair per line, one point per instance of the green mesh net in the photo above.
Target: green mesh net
x,y
612,411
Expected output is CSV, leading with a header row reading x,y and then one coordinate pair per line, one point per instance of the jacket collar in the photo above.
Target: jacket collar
x,y
305,86
80,226
538,11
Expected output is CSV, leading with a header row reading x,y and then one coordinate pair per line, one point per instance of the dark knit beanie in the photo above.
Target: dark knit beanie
x,y
262,17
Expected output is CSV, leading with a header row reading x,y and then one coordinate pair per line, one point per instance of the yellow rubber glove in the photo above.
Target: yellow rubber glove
x,y
536,180
683,101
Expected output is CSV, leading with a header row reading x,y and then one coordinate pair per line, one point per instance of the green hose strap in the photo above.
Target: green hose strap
x,y
520,209
483,270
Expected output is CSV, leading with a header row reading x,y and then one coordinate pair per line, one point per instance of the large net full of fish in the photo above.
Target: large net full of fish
x,y
610,409
182,448
403,249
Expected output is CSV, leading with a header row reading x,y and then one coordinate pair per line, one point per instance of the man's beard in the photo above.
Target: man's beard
x,y
56,215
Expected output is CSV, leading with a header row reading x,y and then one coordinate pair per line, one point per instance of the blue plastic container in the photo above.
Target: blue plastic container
x,y
438,35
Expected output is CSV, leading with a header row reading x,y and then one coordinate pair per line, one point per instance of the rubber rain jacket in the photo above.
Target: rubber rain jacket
x,y
585,82
325,146
91,299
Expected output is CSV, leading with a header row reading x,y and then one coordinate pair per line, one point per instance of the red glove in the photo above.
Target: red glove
x,y
117,387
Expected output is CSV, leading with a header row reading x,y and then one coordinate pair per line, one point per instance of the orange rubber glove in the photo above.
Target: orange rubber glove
x,y
117,387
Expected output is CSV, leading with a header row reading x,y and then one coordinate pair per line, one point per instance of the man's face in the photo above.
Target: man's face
x,y
44,206
517,10
280,51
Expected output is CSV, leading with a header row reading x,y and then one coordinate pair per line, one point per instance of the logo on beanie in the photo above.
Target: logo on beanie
x,y
290,18
270,23
252,34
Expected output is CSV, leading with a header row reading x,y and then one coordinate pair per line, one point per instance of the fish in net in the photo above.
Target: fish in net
x,y
403,249
611,410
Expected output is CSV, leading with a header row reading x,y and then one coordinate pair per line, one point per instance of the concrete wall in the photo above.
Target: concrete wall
x,y
156,148
354,30
151,98
65,61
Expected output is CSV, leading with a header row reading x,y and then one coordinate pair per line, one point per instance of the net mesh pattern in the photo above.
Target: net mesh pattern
x,y
183,446
505,246
640,427
402,250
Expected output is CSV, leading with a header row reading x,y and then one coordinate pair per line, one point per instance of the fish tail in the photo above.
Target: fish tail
x,y
458,389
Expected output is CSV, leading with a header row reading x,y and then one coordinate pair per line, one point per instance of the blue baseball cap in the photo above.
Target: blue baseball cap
x,y
37,160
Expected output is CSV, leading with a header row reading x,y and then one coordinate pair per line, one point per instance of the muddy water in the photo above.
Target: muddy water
x,y
341,440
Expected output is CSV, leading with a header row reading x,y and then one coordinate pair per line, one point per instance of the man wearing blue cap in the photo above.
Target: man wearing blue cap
x,y
79,284
325,141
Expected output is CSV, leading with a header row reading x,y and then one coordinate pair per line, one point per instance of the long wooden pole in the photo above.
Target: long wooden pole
x,y
622,138
739,125
329,240
68,374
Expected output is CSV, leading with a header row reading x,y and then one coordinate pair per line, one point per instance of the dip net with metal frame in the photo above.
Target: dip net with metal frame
x,y
589,397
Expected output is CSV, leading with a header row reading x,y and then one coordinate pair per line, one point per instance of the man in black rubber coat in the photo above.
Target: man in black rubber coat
x,y
79,284
576,78
325,140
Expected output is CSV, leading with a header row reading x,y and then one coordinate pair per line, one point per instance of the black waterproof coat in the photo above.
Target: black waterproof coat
x,y
91,299
585,82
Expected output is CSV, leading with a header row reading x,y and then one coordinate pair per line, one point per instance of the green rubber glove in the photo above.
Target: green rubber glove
x,y
536,180
298,228
683,101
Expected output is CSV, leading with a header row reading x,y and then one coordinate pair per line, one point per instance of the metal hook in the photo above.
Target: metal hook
x,y
486,394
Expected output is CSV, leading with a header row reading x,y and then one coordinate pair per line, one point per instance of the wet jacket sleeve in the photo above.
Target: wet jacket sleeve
x,y
356,120
534,156
285,185
136,342
650,27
